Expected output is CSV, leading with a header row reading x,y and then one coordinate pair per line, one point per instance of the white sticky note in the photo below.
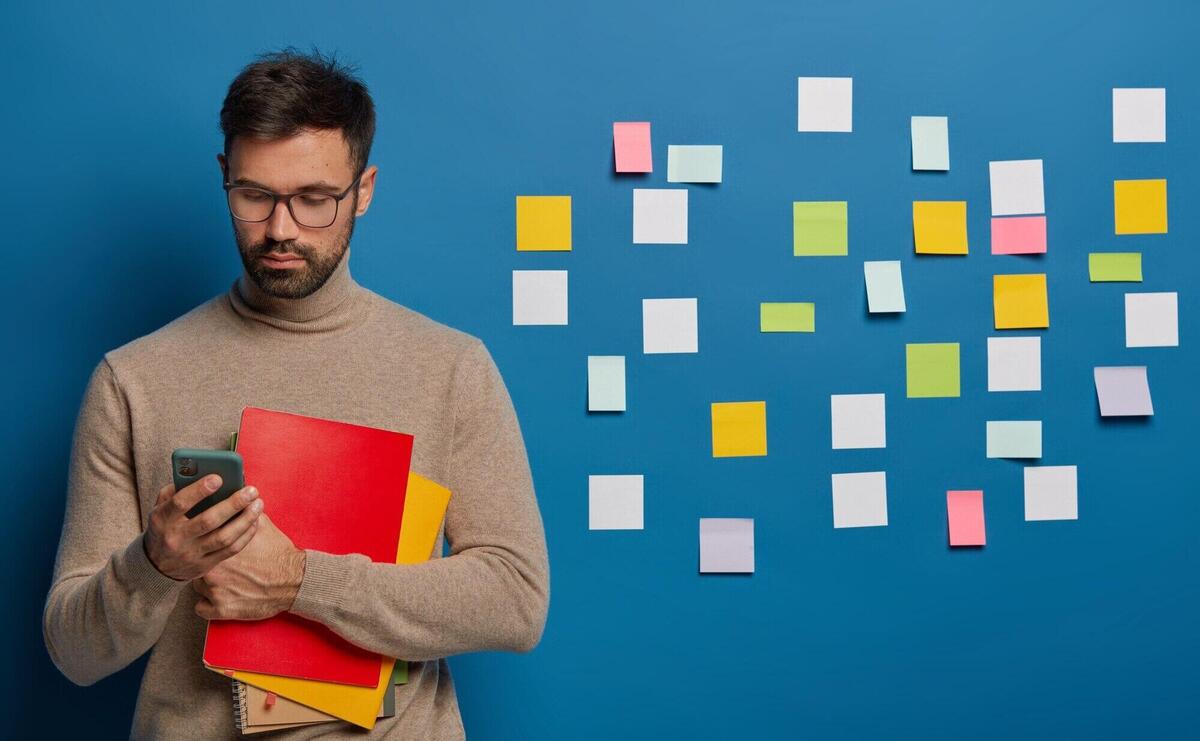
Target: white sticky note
x,y
825,104
860,499
669,325
1017,187
660,216
885,287
615,502
694,163
1014,363
1014,439
539,297
1123,391
1051,493
930,142
726,545
1151,320
859,421
1139,114
606,383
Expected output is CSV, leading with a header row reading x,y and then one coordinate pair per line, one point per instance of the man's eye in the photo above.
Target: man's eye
x,y
255,196
314,200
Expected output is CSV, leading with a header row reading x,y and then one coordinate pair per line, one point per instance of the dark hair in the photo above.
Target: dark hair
x,y
287,91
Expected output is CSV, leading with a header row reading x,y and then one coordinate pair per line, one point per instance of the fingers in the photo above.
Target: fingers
x,y
236,546
164,494
187,497
218,514
226,535
205,609
202,588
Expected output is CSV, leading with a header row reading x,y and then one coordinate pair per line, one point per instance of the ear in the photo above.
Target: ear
x,y
366,190
224,165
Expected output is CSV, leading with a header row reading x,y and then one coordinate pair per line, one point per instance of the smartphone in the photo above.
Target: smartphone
x,y
189,465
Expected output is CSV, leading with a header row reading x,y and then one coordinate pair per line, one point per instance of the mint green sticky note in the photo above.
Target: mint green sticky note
x,y
930,143
819,228
885,287
694,163
400,672
1014,439
786,317
1115,267
932,369
606,383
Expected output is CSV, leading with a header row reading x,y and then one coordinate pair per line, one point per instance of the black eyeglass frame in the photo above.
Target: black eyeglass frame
x,y
287,199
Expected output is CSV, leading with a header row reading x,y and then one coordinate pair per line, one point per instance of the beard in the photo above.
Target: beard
x,y
293,282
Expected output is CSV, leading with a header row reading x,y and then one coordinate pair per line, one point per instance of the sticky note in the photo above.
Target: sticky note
x,y
1140,206
1019,301
543,223
694,163
786,317
1019,235
1051,493
940,227
858,421
606,383
930,143
615,502
1152,319
932,370
1139,114
1014,363
631,147
825,104
819,228
660,216
964,515
1123,391
739,428
860,499
1115,266
1014,439
885,286
1017,187
539,297
726,545
669,325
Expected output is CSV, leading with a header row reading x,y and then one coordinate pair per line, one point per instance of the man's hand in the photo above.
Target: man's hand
x,y
184,549
259,582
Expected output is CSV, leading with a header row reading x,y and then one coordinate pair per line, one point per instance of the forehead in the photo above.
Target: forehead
x,y
309,156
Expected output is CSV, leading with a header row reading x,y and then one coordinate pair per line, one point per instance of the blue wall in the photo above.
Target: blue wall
x,y
115,224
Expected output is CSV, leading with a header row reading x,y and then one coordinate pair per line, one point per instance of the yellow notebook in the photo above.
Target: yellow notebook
x,y
424,507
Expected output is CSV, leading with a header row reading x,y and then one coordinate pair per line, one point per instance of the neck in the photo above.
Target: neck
x,y
331,306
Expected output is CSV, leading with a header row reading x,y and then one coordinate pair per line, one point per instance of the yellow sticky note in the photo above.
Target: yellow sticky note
x,y
543,223
1020,301
940,227
739,428
1140,206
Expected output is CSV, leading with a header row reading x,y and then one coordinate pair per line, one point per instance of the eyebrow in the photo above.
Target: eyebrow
x,y
319,185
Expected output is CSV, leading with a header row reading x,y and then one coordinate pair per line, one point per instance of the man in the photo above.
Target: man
x,y
295,333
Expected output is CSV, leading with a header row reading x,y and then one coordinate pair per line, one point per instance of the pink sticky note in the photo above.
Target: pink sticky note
x,y
964,510
631,145
1019,235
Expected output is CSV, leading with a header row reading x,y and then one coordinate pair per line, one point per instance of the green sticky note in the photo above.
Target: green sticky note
x,y
1115,266
400,672
694,163
787,317
819,228
606,383
930,143
1014,439
932,370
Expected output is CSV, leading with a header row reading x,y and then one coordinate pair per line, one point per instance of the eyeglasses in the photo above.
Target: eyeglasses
x,y
310,209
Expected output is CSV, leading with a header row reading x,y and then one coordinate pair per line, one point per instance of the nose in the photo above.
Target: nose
x,y
281,226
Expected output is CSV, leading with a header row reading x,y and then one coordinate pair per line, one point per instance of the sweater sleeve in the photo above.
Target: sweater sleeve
x,y
107,603
492,591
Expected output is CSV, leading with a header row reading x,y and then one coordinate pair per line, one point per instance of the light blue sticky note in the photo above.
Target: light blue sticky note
x,y
1014,439
930,143
885,286
694,163
606,383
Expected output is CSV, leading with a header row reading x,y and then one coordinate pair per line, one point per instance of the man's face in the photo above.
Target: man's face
x,y
286,259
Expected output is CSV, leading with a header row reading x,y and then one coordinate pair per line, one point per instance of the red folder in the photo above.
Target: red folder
x,y
330,486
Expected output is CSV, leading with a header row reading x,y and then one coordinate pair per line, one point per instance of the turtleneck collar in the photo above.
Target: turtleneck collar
x,y
337,304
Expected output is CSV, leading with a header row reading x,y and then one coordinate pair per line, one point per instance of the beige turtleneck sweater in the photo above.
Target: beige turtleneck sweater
x,y
342,353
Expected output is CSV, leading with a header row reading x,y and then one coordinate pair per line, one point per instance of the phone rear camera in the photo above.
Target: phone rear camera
x,y
187,467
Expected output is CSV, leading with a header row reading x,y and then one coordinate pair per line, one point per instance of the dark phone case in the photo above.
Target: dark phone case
x,y
225,463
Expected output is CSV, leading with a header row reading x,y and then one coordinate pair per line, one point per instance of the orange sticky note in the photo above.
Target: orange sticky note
x,y
1019,301
940,227
964,512
1019,235
543,223
631,146
1140,206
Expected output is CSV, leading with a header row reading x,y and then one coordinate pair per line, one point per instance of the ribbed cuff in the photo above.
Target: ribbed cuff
x,y
140,576
323,588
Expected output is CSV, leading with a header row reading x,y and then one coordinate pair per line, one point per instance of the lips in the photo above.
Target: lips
x,y
282,262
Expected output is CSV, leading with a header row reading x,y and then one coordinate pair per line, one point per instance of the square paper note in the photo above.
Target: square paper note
x,y
631,146
932,370
964,514
1019,235
615,502
669,325
786,317
825,104
543,223
1051,493
860,499
1139,114
726,545
606,383
930,143
1151,320
1019,301
739,428
660,216
1123,391
539,297
1140,206
858,421
819,228
940,227
1014,439
695,163
1115,267
885,286
1017,187
1014,363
